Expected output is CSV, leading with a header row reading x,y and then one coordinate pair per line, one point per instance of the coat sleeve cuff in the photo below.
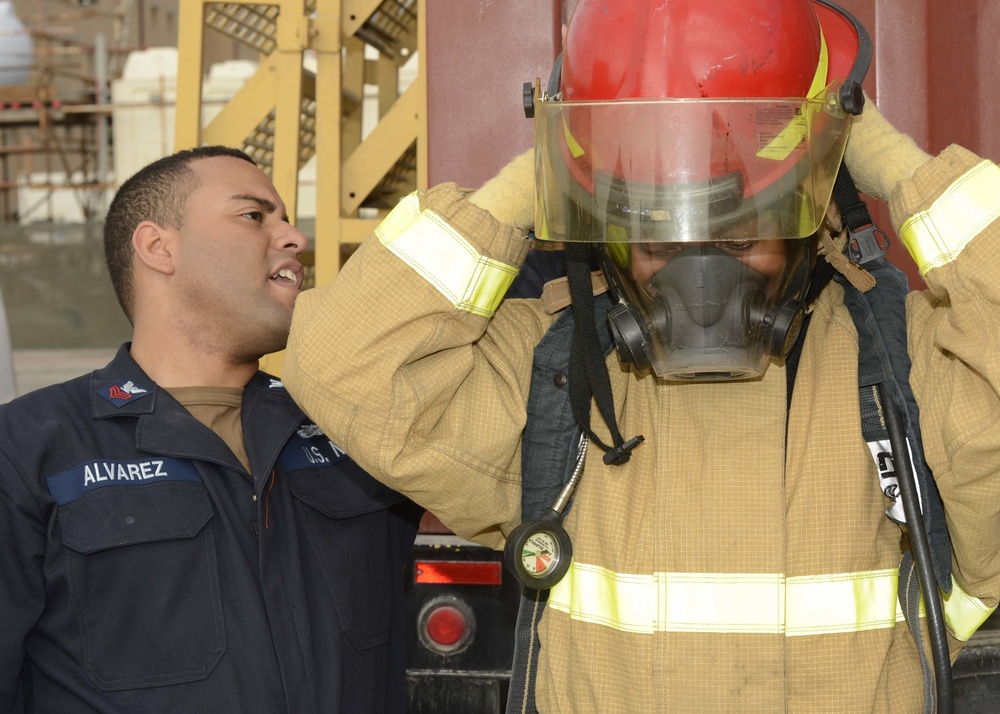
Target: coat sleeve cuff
x,y
493,238
459,248
948,202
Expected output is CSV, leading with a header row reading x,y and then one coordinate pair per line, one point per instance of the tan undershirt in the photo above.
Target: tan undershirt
x,y
218,408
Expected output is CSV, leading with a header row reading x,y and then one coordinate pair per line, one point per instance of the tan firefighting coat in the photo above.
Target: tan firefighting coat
x,y
710,571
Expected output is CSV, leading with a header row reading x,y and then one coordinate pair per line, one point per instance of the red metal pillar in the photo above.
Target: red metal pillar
x,y
479,54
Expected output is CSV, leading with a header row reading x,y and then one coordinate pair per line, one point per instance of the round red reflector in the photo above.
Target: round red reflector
x,y
446,625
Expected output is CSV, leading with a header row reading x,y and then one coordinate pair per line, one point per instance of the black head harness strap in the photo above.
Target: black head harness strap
x,y
588,374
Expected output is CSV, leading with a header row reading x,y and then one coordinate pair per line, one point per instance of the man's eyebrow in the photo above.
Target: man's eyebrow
x,y
265,205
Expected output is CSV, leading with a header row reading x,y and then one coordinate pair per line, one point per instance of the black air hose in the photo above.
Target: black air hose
x,y
921,551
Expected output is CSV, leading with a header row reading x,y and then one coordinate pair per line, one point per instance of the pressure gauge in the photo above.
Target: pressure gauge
x,y
539,552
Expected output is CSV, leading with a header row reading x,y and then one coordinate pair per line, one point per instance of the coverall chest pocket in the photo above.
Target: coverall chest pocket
x,y
346,516
143,578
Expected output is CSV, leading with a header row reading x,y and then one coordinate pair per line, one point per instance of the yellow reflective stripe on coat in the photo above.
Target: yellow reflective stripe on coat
x,y
963,613
765,603
424,241
936,236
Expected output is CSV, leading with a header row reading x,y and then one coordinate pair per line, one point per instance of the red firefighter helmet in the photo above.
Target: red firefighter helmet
x,y
678,119
695,49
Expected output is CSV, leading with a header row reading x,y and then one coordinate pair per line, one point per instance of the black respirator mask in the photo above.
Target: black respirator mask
x,y
706,315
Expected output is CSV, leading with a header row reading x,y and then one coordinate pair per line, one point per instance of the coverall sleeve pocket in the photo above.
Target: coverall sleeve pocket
x,y
144,581
346,517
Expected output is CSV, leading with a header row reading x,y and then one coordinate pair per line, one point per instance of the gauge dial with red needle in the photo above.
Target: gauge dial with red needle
x,y
539,553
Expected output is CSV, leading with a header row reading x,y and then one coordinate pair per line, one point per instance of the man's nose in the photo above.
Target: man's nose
x,y
291,239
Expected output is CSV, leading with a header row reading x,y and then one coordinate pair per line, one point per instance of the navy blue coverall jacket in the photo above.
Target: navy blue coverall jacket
x,y
143,570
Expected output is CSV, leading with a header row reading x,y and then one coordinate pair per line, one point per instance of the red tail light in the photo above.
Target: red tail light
x,y
446,625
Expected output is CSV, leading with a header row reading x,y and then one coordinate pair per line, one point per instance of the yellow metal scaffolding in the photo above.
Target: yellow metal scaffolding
x,y
285,113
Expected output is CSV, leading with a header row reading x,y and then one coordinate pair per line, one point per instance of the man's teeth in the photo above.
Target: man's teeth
x,y
287,275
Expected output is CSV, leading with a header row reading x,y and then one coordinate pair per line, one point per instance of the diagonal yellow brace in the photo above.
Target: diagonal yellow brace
x,y
246,109
357,12
375,156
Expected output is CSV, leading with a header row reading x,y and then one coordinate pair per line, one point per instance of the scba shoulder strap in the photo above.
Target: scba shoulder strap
x,y
879,315
880,320
548,456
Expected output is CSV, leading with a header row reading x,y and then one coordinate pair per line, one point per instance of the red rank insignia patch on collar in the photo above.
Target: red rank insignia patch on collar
x,y
121,393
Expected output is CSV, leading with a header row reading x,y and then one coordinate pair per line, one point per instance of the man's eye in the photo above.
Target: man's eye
x,y
739,246
254,216
659,251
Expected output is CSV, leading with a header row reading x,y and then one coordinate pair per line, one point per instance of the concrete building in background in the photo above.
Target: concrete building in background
x,y
56,144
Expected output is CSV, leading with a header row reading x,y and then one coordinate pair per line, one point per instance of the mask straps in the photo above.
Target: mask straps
x,y
866,241
588,374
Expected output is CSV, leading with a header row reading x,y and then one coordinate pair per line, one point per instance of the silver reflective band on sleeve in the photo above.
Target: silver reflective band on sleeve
x,y
765,603
936,236
424,241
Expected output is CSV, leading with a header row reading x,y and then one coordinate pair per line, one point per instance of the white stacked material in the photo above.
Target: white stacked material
x,y
144,98
16,56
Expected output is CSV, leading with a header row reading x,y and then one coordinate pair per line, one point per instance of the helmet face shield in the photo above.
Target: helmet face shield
x,y
686,170
697,144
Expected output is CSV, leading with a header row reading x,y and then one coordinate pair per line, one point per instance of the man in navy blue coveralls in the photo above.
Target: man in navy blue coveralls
x,y
175,534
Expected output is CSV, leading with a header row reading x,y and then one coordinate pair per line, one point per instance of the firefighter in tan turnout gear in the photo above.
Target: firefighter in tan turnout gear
x,y
734,535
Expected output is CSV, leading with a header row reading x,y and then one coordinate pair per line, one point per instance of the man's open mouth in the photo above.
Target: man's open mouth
x,y
287,275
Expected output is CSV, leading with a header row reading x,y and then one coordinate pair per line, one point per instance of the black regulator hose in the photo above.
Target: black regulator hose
x,y
921,551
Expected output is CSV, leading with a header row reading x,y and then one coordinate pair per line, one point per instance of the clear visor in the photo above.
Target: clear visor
x,y
681,170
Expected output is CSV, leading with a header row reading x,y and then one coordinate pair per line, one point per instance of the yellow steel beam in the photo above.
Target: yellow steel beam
x,y
285,169
292,40
352,83
286,64
355,230
348,169
387,79
190,50
356,13
246,109
327,43
393,135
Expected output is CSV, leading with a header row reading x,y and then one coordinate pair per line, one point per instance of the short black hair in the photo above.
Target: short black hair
x,y
158,192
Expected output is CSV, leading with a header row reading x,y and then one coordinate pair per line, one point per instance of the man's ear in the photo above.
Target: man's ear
x,y
155,246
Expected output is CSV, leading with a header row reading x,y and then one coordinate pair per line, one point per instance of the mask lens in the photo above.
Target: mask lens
x,y
710,311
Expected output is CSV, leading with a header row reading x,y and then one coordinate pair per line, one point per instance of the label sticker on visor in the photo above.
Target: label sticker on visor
x,y
780,146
